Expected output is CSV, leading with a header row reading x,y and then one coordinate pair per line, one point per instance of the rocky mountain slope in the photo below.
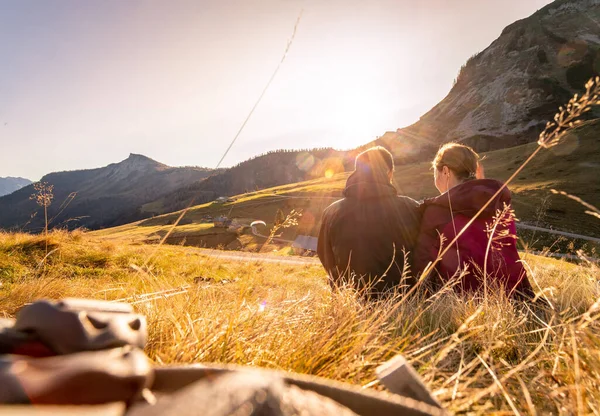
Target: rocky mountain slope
x,y
504,95
96,198
9,185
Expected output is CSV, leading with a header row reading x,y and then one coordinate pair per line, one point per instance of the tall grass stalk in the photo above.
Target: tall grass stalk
x,y
43,196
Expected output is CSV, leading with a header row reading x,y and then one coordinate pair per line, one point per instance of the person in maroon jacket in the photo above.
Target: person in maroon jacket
x,y
365,236
485,255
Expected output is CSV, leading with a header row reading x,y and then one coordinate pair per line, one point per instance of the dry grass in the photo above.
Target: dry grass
x,y
476,356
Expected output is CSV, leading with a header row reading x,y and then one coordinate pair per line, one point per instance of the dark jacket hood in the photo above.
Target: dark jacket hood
x,y
468,198
363,186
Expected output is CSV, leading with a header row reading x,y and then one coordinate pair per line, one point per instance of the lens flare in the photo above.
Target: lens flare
x,y
329,173
305,161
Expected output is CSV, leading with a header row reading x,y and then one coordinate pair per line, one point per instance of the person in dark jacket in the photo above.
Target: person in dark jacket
x,y
485,255
365,237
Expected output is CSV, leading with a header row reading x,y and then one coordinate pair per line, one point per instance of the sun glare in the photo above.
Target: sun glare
x,y
329,173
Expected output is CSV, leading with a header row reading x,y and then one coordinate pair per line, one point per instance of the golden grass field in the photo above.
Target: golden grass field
x,y
476,357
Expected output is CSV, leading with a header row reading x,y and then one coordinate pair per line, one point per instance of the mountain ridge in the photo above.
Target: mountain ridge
x,y
99,197
10,184
505,94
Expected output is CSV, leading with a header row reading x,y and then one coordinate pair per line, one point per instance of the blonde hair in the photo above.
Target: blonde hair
x,y
460,159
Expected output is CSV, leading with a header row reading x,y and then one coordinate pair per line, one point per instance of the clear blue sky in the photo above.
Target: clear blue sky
x,y
85,83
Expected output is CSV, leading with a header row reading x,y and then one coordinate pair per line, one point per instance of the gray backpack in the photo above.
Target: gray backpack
x,y
86,357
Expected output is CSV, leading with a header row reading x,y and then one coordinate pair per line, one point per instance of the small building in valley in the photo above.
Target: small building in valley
x,y
305,242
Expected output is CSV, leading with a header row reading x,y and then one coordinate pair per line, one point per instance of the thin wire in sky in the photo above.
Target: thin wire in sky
x,y
285,53
287,49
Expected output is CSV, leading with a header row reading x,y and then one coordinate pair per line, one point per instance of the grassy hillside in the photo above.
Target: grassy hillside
x,y
476,357
571,166
264,171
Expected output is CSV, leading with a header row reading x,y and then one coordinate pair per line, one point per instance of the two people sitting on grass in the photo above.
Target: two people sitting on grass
x,y
377,241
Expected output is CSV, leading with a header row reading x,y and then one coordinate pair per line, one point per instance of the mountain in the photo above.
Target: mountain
x,y
97,198
9,185
504,95
272,169
571,166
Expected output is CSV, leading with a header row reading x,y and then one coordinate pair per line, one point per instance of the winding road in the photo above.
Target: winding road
x,y
258,257
297,260
557,232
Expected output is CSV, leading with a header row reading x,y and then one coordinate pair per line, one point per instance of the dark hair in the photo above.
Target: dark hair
x,y
460,159
376,160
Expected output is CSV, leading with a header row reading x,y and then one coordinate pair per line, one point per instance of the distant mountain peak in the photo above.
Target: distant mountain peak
x,y
15,178
138,162
105,196
138,158
10,184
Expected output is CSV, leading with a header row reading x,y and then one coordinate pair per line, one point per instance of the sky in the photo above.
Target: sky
x,y
85,83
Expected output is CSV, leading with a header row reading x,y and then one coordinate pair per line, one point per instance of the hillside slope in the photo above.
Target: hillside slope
x,y
9,184
100,197
504,95
266,171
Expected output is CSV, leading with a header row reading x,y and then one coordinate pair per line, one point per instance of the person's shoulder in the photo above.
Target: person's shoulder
x,y
491,184
408,201
431,207
428,202
490,187
333,208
